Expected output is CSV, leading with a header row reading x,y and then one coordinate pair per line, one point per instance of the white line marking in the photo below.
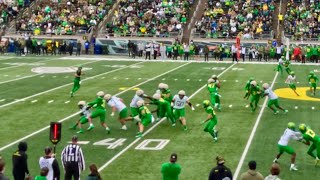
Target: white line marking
x,y
197,105
224,80
51,101
247,106
176,79
66,76
200,80
230,106
163,79
261,81
115,78
103,77
151,128
77,113
139,78
59,87
24,77
2,100
296,107
6,75
246,149
237,81
312,108
66,102
18,75
298,82
127,78
188,79
34,101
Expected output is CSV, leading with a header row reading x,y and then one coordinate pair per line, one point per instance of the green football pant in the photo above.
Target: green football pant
x,y
76,86
101,113
286,149
215,99
209,127
288,70
279,69
254,100
167,112
314,146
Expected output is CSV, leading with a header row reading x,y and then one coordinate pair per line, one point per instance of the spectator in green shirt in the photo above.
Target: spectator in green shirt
x,y
171,170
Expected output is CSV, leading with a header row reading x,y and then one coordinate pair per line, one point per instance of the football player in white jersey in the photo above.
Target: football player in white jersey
x,y
179,101
133,105
273,99
84,114
117,105
291,79
288,134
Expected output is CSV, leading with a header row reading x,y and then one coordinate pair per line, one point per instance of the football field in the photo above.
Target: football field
x,y
35,91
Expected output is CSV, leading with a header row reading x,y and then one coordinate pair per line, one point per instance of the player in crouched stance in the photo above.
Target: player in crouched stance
x,y
84,114
308,136
144,118
273,99
117,105
212,120
179,112
99,111
288,134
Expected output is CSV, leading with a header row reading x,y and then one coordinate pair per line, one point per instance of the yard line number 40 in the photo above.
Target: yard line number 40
x,y
147,144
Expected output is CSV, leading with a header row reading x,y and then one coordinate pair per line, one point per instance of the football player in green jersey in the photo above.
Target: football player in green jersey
x,y
144,119
286,66
164,108
76,81
211,121
309,136
166,93
255,93
247,88
99,111
313,80
84,114
213,87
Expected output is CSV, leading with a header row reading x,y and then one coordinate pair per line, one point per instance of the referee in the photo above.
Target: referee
x,y
72,160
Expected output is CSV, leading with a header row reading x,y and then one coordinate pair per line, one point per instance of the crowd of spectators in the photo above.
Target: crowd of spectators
x,y
52,17
160,18
228,18
302,19
9,10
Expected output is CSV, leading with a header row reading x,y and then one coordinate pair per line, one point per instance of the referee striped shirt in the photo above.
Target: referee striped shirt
x,y
73,153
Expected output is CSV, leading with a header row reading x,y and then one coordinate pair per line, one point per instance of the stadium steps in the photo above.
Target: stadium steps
x,y
196,12
283,11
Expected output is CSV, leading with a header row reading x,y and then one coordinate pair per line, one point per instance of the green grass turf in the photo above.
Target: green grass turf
x,y
195,148
271,127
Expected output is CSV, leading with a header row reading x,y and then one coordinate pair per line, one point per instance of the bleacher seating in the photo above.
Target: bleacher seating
x,y
249,19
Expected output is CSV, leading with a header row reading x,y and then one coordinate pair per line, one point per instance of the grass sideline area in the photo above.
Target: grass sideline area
x,y
30,99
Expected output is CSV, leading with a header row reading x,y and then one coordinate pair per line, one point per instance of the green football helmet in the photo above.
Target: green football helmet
x,y
206,103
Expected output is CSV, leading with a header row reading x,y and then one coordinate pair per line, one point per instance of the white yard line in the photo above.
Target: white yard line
x,y
59,87
150,129
10,67
25,77
77,113
246,149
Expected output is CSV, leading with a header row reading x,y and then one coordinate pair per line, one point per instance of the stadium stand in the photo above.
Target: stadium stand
x,y
302,20
149,18
228,19
63,18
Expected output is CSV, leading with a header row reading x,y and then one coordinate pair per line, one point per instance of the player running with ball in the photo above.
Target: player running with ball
x,y
273,99
211,121
291,79
179,112
283,146
309,136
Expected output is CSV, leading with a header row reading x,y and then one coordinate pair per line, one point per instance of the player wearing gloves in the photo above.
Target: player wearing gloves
x,y
255,93
283,146
313,80
84,114
247,88
144,119
213,87
273,99
211,121
99,111
308,136
117,105
291,79
179,112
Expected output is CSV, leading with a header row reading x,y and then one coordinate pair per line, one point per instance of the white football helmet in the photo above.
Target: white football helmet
x,y
265,85
165,86
210,81
139,92
214,76
182,93
156,96
160,86
254,83
81,103
107,97
100,93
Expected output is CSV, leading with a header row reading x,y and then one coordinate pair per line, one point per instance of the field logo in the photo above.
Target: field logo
x,y
53,70
24,64
287,93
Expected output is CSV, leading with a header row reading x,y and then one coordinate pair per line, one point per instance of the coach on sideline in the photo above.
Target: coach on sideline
x,y
72,160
